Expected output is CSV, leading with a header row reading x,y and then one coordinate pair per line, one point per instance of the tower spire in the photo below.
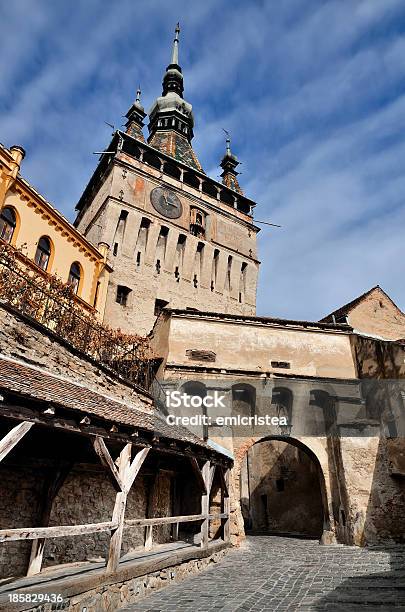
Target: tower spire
x,y
173,78
175,50
171,118
229,164
135,117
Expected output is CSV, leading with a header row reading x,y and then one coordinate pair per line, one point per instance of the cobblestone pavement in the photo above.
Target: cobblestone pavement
x,y
278,573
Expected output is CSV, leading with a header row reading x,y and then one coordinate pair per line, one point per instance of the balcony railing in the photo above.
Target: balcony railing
x,y
52,303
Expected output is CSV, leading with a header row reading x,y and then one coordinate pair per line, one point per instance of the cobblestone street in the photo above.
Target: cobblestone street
x,y
278,573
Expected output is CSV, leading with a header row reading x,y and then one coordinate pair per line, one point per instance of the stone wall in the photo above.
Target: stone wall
x,y
121,590
20,496
86,496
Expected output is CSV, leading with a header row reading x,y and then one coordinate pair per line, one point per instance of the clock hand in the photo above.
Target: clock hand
x,y
169,203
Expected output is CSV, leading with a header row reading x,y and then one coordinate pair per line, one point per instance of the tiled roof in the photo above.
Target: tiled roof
x,y
35,383
176,146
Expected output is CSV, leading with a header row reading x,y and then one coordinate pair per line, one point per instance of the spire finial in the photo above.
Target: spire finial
x,y
175,52
138,95
228,142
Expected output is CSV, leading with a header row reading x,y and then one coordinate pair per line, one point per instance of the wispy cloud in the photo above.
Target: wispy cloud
x,y
313,93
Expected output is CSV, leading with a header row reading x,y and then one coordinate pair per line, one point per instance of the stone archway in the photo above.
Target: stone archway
x,y
287,492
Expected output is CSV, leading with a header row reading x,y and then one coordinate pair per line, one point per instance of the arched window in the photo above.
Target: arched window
x,y
8,222
43,253
282,400
74,276
196,389
243,400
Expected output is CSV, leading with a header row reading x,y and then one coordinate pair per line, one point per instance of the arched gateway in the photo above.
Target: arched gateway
x,y
282,488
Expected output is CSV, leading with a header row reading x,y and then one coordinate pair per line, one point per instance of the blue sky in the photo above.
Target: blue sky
x,y
312,91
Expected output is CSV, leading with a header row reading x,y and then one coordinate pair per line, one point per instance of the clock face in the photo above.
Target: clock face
x,y
166,202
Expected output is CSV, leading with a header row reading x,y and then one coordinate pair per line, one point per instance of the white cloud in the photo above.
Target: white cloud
x,y
313,93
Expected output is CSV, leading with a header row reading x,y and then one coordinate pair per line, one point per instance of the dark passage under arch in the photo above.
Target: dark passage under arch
x,y
282,489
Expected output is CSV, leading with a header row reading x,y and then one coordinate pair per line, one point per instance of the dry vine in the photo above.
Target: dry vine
x,y
51,302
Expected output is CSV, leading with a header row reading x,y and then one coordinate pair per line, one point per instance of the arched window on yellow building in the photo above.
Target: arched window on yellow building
x,y
75,276
43,253
8,222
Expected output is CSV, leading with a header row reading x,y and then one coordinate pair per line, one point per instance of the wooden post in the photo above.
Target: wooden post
x,y
13,437
227,506
116,535
148,537
176,509
205,503
125,478
175,532
51,488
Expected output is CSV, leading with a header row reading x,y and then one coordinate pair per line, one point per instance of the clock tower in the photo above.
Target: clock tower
x,y
174,236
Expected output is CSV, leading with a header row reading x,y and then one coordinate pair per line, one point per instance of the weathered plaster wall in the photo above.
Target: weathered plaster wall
x,y
376,498
253,346
376,315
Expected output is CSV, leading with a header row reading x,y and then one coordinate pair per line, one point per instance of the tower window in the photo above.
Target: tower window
x,y
8,222
195,281
43,253
138,258
74,276
122,295
177,274
197,222
115,249
158,266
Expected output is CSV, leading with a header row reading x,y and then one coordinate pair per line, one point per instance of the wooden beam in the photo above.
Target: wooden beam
x,y
205,502
12,535
149,537
13,437
127,474
211,480
227,507
52,486
106,460
167,520
116,536
175,531
135,466
163,520
200,478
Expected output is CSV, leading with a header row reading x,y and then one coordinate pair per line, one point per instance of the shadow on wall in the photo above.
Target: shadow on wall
x,y
383,529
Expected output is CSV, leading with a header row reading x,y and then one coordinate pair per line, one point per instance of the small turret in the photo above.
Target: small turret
x,y
135,117
229,164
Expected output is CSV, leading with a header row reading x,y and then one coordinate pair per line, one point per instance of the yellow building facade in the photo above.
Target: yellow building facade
x,y
51,244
